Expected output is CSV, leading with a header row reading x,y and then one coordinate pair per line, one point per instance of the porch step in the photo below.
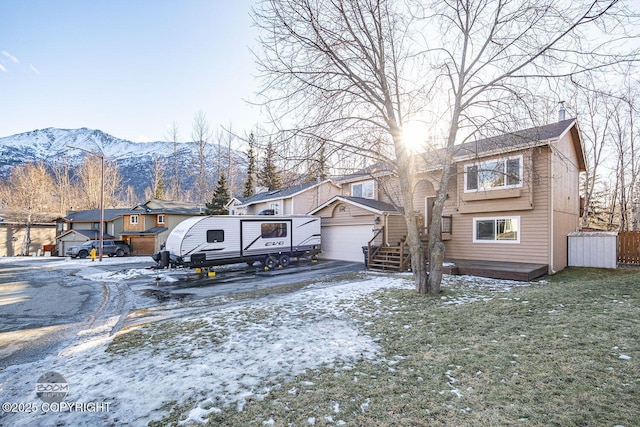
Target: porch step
x,y
391,258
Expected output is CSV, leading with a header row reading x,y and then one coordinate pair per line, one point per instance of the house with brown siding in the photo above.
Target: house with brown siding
x,y
516,196
514,199
147,225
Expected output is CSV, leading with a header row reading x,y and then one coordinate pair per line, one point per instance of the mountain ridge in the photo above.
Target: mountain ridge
x,y
134,159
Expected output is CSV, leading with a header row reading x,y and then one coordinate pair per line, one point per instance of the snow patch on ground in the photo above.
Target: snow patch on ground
x,y
220,358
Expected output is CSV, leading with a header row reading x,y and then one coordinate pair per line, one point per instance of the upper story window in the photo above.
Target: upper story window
x,y
160,219
363,189
133,219
493,174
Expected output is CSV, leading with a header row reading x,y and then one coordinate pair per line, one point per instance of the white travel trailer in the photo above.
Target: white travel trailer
x,y
206,241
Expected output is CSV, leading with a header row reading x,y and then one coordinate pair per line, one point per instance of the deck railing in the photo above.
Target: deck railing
x,y
372,253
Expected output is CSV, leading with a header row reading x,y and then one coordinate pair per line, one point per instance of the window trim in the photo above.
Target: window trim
x,y
363,184
496,219
160,218
520,183
133,219
275,206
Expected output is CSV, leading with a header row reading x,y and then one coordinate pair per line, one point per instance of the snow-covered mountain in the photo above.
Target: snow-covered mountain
x,y
135,159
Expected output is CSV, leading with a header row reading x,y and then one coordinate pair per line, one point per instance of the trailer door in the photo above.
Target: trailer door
x,y
263,237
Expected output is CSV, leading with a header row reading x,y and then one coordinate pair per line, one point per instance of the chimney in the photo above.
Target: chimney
x,y
561,111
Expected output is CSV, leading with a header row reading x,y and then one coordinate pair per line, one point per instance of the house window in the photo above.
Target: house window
x,y
493,174
215,236
133,219
363,189
160,219
275,207
273,230
505,230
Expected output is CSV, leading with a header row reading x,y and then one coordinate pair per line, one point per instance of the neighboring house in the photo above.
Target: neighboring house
x,y
295,200
144,227
81,226
514,199
364,209
349,223
147,226
12,234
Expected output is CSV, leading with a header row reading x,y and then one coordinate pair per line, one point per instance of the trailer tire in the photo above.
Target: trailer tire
x,y
284,260
270,262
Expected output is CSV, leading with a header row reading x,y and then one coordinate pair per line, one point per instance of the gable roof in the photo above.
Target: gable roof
x,y
513,141
93,215
157,206
375,206
282,193
88,234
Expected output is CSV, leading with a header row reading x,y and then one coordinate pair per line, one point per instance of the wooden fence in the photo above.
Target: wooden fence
x,y
629,247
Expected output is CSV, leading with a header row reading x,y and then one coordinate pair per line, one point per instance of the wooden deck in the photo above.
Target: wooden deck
x,y
498,270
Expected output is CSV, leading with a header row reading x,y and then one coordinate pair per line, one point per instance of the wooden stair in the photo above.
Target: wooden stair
x,y
391,258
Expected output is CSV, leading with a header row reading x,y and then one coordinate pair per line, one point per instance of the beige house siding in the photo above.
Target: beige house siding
x,y
530,204
12,235
346,214
314,197
396,228
565,190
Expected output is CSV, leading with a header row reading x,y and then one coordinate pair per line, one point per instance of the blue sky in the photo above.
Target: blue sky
x,y
127,67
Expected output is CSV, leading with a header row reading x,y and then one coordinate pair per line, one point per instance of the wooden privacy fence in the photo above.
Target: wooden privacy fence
x,y
629,247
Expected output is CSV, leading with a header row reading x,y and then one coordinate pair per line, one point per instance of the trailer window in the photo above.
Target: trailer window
x,y
215,236
272,231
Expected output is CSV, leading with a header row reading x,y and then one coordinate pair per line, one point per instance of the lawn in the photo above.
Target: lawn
x,y
564,351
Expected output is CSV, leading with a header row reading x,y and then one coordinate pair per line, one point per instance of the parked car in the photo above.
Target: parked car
x,y
109,247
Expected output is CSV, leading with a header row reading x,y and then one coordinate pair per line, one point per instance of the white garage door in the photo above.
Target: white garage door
x,y
345,242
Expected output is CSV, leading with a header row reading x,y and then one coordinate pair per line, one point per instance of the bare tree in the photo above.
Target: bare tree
x,y
29,191
89,181
174,189
201,134
356,72
65,194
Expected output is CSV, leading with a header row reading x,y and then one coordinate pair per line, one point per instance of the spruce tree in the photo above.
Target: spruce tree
x,y
220,198
249,185
269,175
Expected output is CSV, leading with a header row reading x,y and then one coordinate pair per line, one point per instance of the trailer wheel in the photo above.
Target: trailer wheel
x,y
270,262
284,260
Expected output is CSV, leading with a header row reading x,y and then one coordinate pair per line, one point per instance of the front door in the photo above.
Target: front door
x,y
428,210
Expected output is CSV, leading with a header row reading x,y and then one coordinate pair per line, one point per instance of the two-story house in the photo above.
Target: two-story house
x,y
294,200
514,199
147,225
144,227
81,226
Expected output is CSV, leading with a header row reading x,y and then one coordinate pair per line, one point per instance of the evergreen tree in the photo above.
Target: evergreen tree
x,y
269,175
249,185
220,198
159,193
317,167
